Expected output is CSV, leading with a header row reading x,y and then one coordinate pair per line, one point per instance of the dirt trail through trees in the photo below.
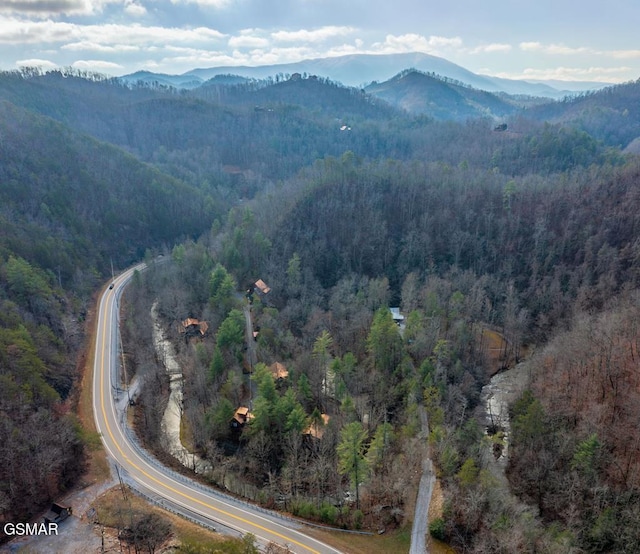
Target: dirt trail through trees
x,y
427,480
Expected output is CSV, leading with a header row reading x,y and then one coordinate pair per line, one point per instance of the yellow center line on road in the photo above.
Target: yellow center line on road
x,y
154,479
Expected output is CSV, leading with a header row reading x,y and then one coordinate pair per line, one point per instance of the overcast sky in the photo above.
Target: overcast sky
x,y
593,40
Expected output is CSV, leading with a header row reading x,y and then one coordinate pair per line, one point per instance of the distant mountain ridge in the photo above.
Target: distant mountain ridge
x,y
364,69
419,93
611,115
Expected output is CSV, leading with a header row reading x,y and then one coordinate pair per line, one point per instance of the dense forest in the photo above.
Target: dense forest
x,y
345,206
530,273
70,209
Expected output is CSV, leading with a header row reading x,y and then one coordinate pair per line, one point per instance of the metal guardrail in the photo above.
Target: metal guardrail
x,y
169,508
148,457
181,513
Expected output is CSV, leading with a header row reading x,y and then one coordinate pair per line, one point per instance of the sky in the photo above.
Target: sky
x,y
586,40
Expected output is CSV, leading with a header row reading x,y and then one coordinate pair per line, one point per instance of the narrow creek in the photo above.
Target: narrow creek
x,y
172,417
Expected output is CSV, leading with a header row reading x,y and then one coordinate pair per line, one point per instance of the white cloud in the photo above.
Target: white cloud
x,y
205,3
88,46
189,58
280,55
52,8
567,50
248,41
562,50
135,9
18,32
531,46
262,57
131,33
96,65
440,42
625,54
491,48
317,35
586,53
602,74
412,42
556,49
44,64
340,50
139,34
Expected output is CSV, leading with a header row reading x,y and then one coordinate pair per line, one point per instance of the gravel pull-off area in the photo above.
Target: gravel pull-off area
x,y
76,535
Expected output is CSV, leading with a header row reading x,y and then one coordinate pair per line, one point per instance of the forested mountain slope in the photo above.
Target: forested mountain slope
x,y
69,206
70,202
611,114
459,249
272,131
556,239
576,453
320,96
195,134
419,93
344,206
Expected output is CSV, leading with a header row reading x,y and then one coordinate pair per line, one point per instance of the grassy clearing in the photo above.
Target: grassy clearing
x,y
397,541
494,348
186,435
437,547
114,511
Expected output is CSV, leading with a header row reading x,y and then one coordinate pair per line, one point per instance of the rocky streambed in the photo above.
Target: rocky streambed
x,y
503,389
172,417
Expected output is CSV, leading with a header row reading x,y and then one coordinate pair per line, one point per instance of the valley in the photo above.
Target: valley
x,y
314,208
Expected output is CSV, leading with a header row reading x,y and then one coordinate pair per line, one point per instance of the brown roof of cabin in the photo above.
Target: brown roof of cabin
x,y
242,415
262,286
278,371
315,430
190,321
203,326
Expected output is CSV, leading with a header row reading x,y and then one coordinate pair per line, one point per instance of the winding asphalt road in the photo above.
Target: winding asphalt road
x,y
147,474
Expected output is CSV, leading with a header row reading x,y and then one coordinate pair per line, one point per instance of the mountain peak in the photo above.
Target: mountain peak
x,y
359,70
439,97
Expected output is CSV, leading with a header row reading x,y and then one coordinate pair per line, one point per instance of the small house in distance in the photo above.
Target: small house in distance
x,y
397,316
261,287
278,371
316,430
192,327
241,417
